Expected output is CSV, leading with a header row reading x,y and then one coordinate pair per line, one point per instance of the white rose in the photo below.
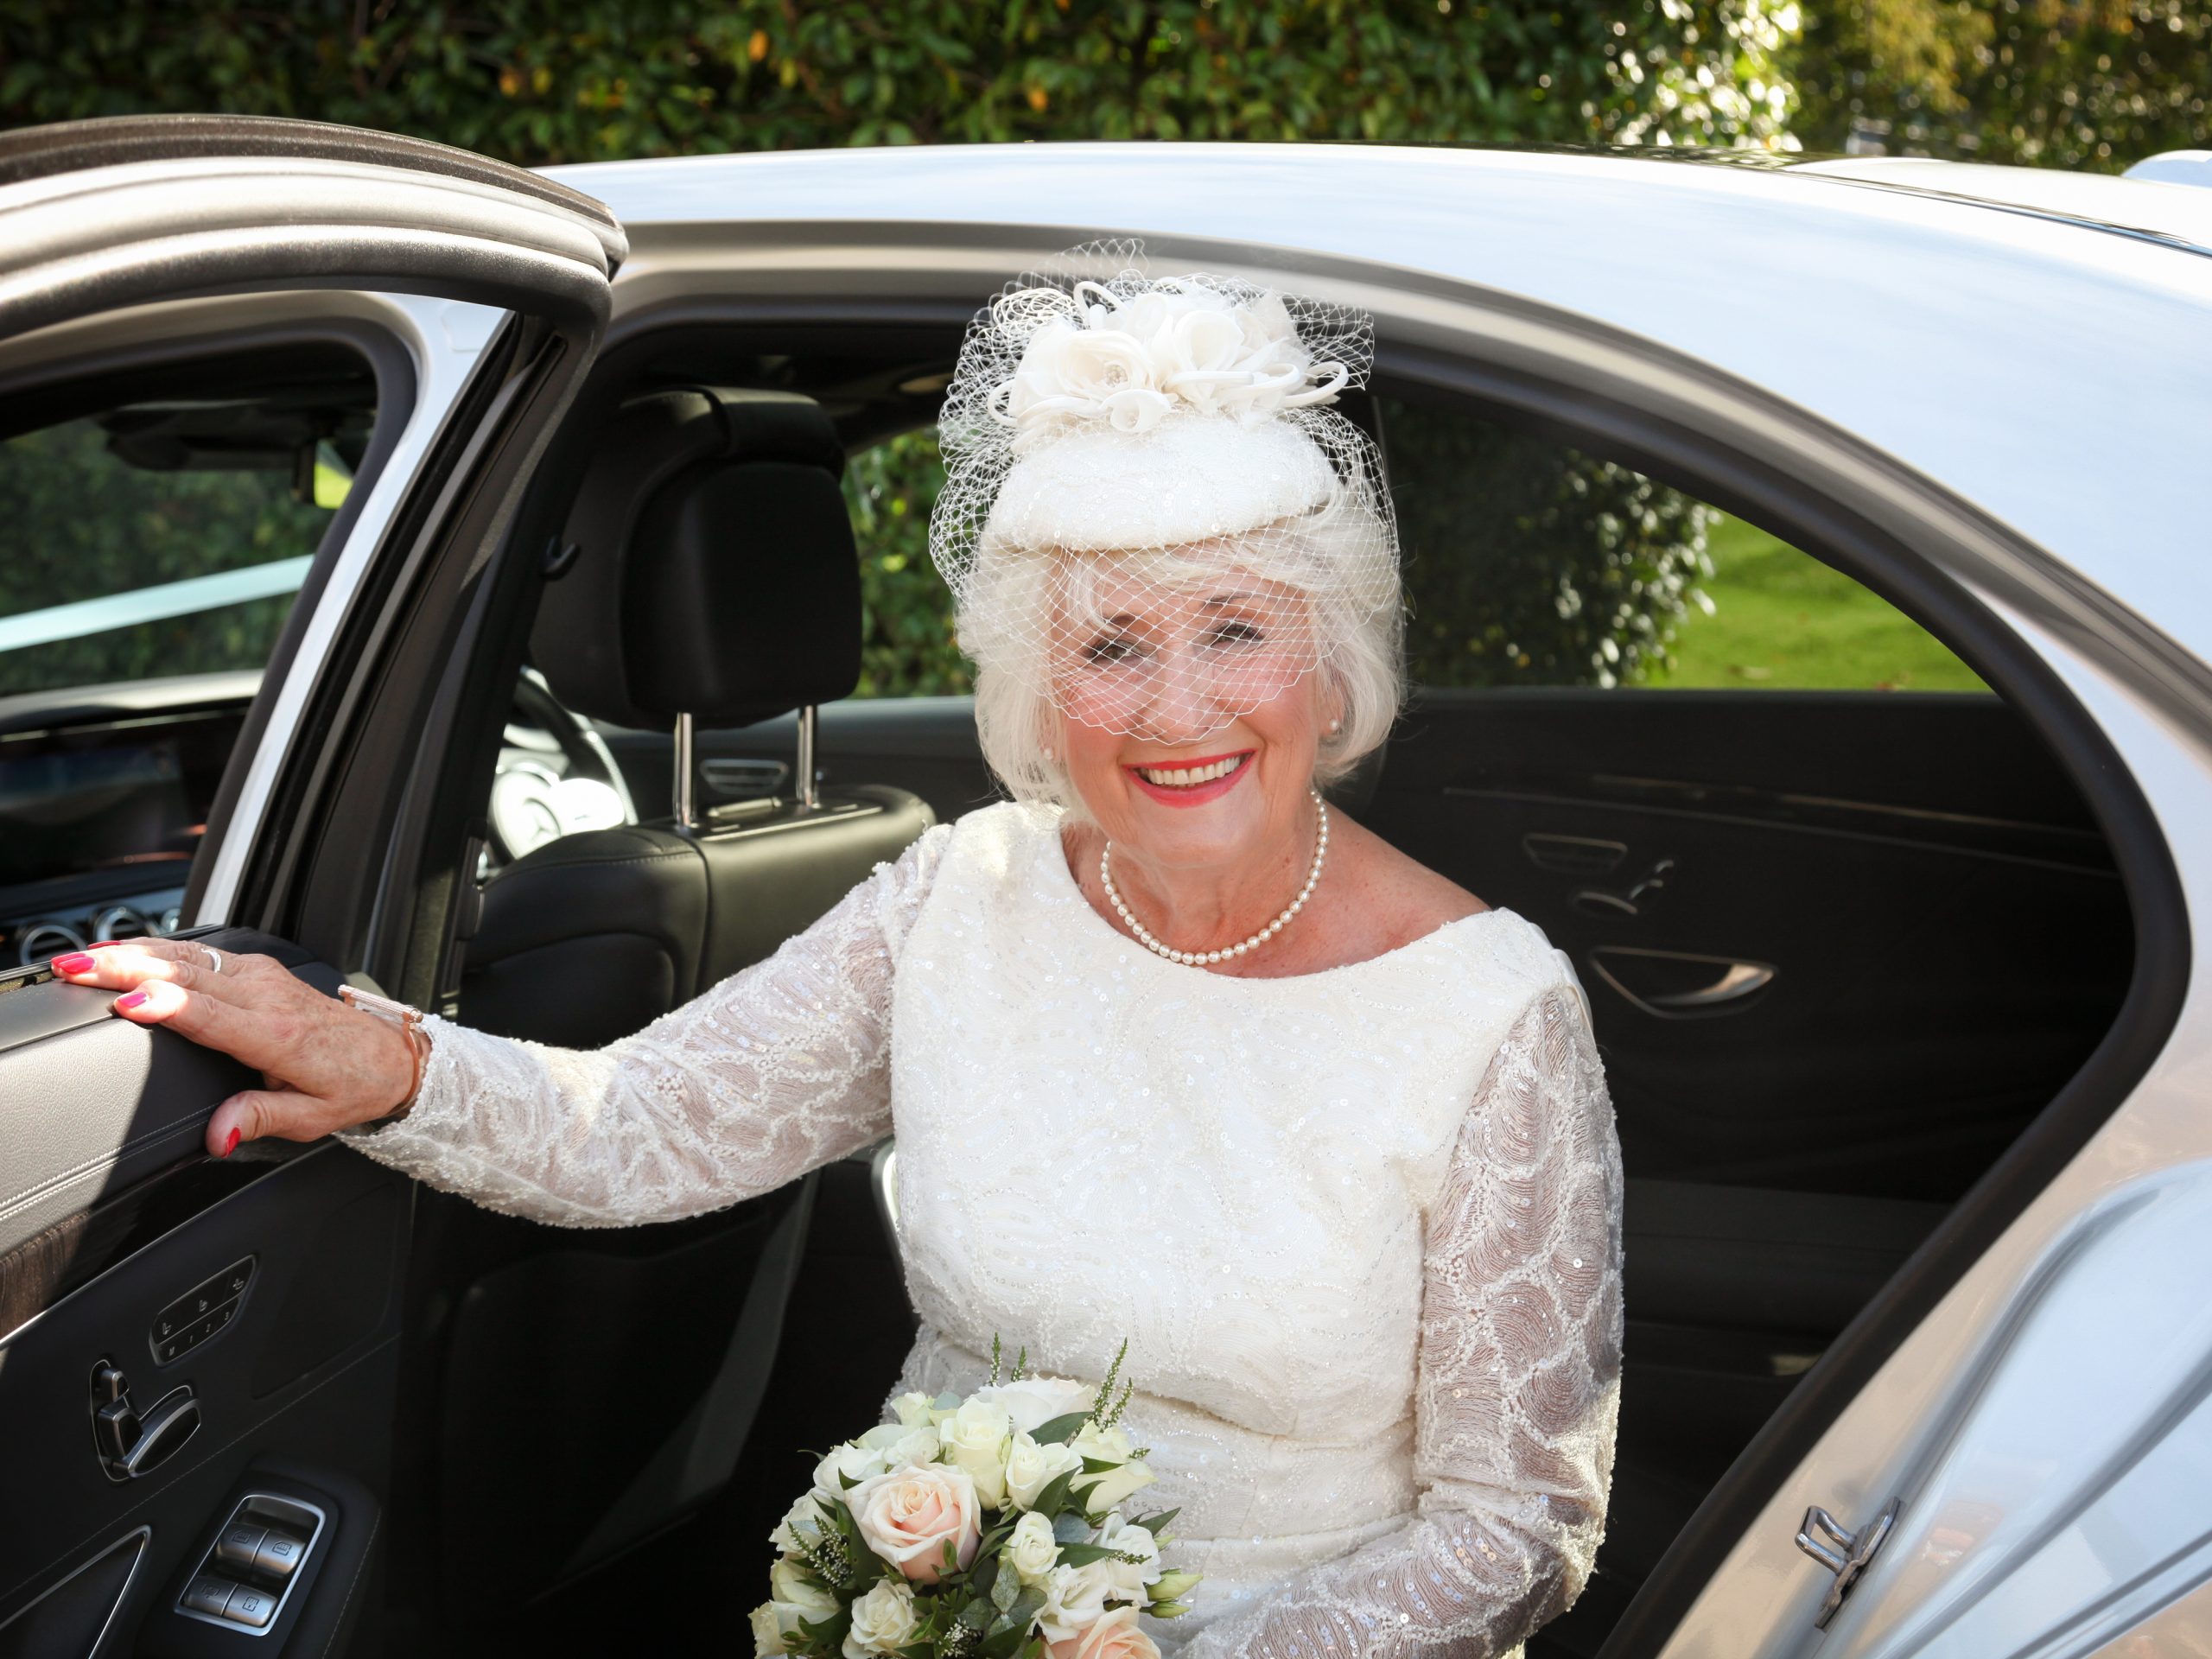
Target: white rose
x,y
1126,1538
1030,1468
913,1409
1035,1401
1033,1549
897,1444
1075,1599
768,1635
794,1596
1111,1445
805,1518
851,1460
883,1620
975,1439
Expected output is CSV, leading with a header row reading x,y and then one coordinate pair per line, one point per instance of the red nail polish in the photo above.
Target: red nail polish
x,y
75,963
130,1000
231,1145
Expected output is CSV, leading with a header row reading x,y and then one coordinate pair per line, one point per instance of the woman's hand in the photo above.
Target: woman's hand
x,y
325,1066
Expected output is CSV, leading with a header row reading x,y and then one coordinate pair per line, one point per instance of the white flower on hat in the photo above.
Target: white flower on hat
x,y
1181,346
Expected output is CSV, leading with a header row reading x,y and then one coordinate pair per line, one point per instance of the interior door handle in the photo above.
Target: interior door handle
x,y
1679,984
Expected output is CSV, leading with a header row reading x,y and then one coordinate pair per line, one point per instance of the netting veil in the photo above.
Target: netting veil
x,y
1152,518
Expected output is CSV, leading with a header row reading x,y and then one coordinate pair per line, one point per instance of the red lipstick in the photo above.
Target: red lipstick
x,y
1193,794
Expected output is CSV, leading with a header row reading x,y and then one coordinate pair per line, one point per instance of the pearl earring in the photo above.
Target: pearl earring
x,y
1336,725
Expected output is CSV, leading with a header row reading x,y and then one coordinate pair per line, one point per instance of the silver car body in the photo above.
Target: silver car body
x,y
2040,347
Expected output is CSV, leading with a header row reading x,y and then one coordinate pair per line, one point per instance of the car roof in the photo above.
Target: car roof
x,y
2181,213
2056,373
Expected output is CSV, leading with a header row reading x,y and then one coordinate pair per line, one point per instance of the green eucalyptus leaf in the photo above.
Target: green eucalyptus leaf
x,y
1083,1554
1054,1497
1005,1588
1068,1528
1058,1431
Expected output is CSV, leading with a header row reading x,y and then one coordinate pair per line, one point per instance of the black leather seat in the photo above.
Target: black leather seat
x,y
716,582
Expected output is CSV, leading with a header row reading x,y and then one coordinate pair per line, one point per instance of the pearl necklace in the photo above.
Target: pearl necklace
x,y
1200,958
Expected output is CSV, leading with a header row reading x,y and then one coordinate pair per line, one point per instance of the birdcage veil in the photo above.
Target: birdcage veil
x,y
1152,516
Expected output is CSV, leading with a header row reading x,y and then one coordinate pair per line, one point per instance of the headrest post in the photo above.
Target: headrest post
x,y
687,811
808,800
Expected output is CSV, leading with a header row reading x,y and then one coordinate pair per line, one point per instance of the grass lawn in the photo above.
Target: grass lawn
x,y
1781,618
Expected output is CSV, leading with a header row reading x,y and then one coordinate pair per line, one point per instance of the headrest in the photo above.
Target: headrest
x,y
716,574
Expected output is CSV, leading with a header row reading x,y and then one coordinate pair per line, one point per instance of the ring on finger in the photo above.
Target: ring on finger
x,y
214,959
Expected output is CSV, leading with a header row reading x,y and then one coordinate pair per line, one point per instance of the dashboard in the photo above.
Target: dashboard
x,y
104,793
102,808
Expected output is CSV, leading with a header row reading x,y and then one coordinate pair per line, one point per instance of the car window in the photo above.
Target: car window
x,y
152,537
909,646
1530,563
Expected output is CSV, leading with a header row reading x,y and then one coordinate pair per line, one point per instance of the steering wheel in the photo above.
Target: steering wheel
x,y
533,801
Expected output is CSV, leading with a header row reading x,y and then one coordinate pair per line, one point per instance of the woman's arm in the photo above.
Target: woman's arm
x,y
774,1072
1519,1381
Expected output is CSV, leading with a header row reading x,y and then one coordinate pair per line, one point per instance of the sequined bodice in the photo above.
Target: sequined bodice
x,y
1360,1227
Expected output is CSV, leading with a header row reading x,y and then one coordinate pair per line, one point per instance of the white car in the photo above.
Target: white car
x,y
436,573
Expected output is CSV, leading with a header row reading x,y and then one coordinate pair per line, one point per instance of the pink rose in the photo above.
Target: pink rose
x,y
1113,1637
907,1515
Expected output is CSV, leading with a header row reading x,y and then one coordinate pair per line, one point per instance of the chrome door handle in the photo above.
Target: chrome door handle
x,y
1681,984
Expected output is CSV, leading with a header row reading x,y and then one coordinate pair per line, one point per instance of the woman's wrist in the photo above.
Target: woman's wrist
x,y
407,1057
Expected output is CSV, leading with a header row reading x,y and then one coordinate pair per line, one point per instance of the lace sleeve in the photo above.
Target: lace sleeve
x,y
774,1072
1518,1383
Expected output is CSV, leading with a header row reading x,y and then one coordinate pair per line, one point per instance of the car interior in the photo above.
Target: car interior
x,y
1842,948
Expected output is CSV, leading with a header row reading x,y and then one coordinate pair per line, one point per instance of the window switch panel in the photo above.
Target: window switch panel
x,y
247,1574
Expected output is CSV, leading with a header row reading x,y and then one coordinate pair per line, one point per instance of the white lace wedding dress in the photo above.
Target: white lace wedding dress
x,y
1361,1228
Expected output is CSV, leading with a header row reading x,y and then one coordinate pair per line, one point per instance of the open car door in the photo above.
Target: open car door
x,y
198,1358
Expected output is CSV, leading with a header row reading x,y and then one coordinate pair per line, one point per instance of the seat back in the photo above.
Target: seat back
x,y
717,581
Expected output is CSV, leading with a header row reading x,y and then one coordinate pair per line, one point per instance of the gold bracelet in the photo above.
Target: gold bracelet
x,y
410,1021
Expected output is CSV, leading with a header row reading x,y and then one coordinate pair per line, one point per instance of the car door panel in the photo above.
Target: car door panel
x,y
179,1334
297,1364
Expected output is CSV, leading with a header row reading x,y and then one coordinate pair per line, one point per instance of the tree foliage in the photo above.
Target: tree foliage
x,y
593,80
80,525
2090,84
1528,563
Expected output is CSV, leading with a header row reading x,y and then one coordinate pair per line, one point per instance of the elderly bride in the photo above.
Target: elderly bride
x,y
1173,1052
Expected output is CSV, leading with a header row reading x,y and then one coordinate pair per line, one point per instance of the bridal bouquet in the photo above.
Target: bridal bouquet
x,y
987,1528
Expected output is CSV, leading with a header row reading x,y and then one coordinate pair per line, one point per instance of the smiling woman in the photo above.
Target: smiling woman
x,y
1379,1335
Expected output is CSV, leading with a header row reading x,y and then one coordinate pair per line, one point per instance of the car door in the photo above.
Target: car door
x,y
200,1359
